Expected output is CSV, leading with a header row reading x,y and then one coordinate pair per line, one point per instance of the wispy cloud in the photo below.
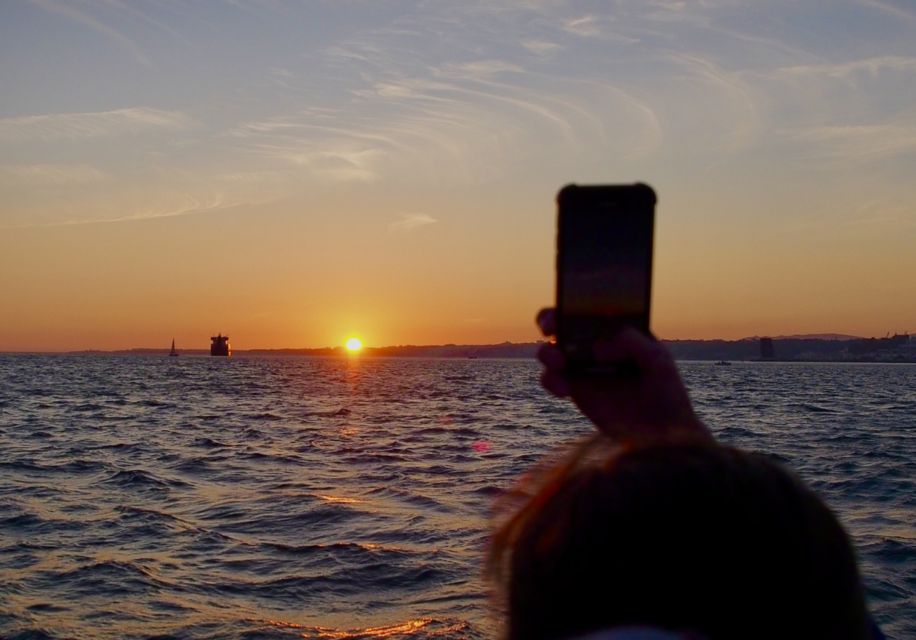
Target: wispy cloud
x,y
144,17
891,9
49,175
727,94
541,47
590,26
340,165
882,211
585,26
180,205
858,143
455,122
354,51
168,206
69,11
844,70
91,124
410,221
481,69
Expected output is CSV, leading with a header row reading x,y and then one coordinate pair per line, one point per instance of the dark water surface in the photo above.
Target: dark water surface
x,y
290,497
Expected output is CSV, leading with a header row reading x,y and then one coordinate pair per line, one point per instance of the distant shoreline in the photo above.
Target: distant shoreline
x,y
900,349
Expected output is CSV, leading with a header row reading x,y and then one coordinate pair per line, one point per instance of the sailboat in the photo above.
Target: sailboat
x,y
173,352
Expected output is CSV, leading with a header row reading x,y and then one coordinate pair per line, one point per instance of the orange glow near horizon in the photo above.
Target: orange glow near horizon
x,y
328,190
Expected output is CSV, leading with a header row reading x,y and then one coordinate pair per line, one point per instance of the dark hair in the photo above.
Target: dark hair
x,y
692,537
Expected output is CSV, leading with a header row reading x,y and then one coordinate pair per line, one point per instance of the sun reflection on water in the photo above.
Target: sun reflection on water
x,y
407,628
339,499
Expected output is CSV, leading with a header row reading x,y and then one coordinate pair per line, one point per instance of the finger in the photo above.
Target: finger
x,y
555,383
547,321
630,344
551,357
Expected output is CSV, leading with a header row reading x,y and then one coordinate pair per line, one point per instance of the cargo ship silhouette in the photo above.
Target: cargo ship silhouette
x,y
219,345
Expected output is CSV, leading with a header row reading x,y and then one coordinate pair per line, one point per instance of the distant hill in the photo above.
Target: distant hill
x,y
812,336
898,348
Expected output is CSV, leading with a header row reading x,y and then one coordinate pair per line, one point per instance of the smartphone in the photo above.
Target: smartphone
x,y
604,267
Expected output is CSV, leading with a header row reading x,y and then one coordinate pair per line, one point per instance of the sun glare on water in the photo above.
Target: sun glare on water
x,y
354,344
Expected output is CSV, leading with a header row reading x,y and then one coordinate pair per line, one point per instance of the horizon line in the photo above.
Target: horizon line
x,y
830,337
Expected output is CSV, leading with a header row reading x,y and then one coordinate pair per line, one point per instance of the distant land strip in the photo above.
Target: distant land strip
x,y
898,348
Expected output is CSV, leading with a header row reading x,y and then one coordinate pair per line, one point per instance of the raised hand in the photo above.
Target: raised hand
x,y
650,402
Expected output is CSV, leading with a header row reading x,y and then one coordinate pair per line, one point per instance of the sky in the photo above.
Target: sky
x,y
294,173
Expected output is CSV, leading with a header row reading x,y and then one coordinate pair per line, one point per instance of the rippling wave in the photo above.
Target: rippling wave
x,y
150,497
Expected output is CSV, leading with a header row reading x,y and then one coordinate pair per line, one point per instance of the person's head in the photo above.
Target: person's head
x,y
692,537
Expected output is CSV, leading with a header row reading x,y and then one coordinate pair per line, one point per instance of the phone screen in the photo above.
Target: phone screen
x,y
604,263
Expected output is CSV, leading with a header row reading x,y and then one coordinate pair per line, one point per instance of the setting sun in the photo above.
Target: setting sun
x,y
354,344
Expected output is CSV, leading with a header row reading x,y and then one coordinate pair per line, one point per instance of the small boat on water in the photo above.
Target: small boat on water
x,y
219,345
723,363
173,352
